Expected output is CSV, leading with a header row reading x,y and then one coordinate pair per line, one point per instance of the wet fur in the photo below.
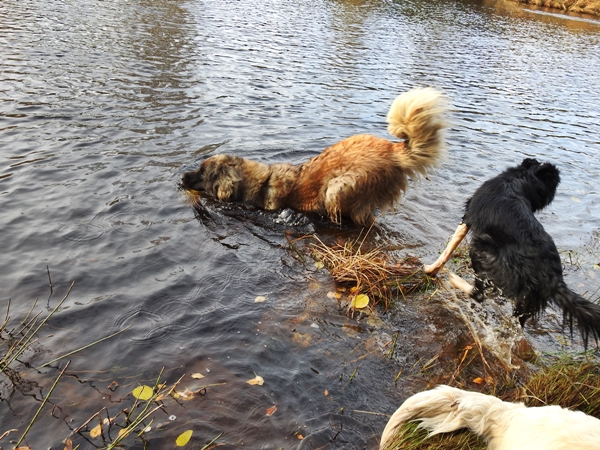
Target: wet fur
x,y
503,425
510,249
349,179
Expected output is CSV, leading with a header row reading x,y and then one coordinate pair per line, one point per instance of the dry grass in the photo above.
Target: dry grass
x,y
578,6
371,272
566,382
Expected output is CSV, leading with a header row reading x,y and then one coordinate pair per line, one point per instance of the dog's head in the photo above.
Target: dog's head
x,y
218,176
537,182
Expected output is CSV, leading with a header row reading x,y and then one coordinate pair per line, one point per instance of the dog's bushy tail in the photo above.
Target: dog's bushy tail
x,y
418,117
446,409
576,308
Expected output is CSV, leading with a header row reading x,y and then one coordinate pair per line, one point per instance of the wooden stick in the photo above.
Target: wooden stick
x,y
457,237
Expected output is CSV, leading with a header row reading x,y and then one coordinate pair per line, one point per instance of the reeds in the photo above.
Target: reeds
x,y
371,272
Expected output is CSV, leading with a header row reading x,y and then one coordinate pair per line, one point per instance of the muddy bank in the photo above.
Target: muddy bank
x,y
591,7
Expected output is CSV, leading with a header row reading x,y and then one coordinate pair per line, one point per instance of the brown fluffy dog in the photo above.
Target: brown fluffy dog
x,y
349,179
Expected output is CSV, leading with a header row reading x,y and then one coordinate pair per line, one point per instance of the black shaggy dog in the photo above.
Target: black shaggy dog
x,y
511,250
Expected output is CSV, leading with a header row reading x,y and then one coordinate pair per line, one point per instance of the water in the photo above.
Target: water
x,y
105,105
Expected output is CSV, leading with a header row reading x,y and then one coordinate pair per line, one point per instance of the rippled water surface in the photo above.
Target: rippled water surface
x,y
103,105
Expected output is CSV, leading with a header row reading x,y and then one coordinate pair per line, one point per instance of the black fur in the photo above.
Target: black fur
x,y
511,250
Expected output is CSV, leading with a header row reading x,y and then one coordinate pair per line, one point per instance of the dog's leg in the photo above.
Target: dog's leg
x,y
337,188
457,237
461,284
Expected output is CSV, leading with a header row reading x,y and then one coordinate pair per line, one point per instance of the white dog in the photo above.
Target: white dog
x,y
503,425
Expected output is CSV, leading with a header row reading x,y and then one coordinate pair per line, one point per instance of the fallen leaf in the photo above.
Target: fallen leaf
x,y
68,444
143,393
186,394
260,299
479,380
299,436
360,301
22,448
271,410
122,431
197,375
326,392
334,295
319,265
97,430
183,438
256,380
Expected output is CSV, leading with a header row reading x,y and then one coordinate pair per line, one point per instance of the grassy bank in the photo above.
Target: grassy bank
x,y
567,382
591,7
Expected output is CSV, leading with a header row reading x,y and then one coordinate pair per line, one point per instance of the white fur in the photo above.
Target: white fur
x,y
503,425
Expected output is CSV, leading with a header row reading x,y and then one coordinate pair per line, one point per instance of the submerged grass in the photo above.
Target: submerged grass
x,y
371,272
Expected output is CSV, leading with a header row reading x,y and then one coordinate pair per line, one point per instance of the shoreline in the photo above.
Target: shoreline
x,y
587,7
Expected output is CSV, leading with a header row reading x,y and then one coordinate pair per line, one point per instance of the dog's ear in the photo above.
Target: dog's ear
x,y
549,174
529,162
227,185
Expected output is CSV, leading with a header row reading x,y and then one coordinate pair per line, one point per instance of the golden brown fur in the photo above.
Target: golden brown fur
x,y
349,179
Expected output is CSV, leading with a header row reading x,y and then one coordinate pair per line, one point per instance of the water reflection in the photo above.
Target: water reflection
x,y
105,105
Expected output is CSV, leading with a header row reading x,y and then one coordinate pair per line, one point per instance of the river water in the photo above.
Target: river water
x,y
105,104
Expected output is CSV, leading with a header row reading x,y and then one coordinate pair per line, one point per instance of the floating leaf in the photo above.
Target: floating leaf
x,y
299,436
186,394
123,431
256,380
68,444
360,301
479,380
271,410
334,295
260,299
326,392
319,265
97,430
143,393
183,438
197,375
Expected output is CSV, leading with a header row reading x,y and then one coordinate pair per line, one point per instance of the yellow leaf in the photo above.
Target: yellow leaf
x,y
183,438
479,380
326,392
256,380
197,375
122,431
299,436
143,393
260,299
334,295
319,265
97,430
360,301
186,394
22,448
